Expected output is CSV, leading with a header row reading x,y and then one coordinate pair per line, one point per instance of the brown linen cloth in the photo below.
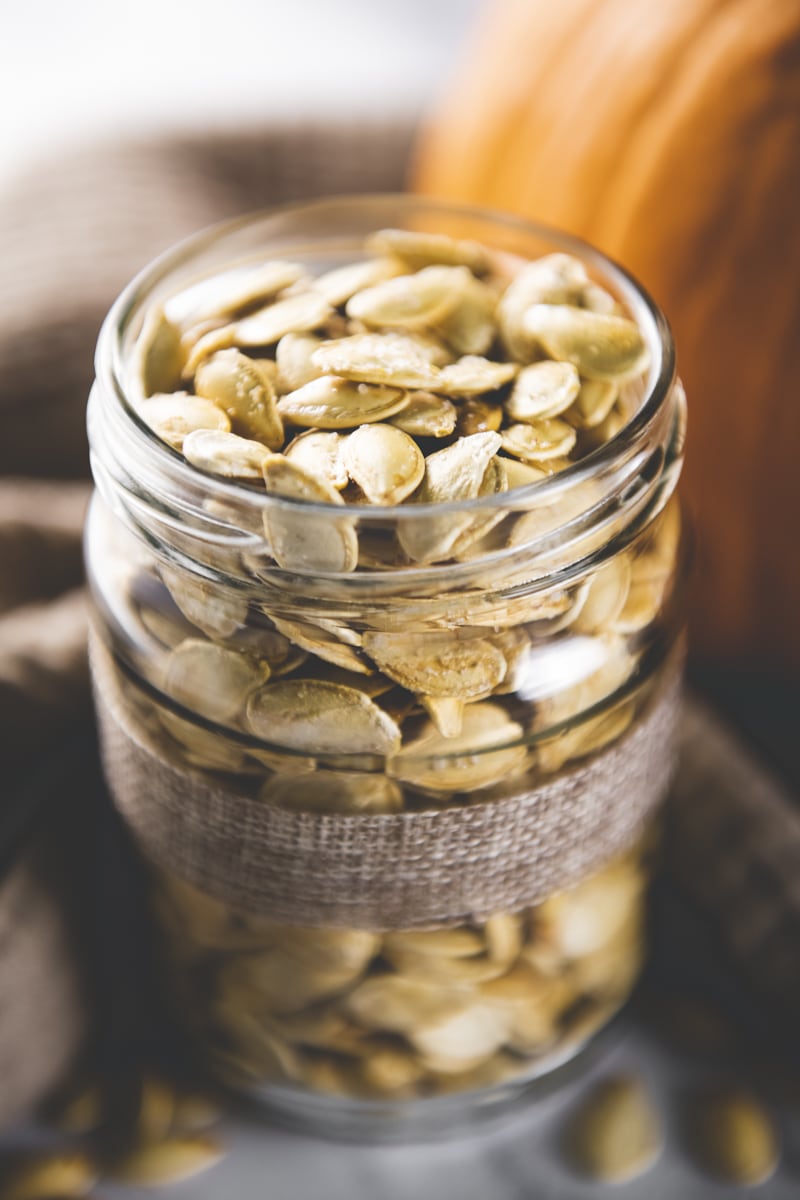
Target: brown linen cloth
x,y
71,234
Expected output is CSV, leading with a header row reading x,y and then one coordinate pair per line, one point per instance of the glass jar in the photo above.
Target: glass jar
x,y
396,817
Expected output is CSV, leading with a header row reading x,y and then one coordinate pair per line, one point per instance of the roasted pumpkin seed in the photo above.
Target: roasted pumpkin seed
x,y
335,791
421,249
398,360
330,402
178,1157
385,463
296,538
321,718
616,1134
601,346
225,454
173,417
244,390
733,1136
413,302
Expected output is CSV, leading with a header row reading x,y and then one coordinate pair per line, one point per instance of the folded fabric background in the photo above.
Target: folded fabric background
x,y
73,232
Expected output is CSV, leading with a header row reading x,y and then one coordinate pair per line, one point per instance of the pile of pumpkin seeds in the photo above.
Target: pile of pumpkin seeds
x,y
169,1141
407,1013
428,372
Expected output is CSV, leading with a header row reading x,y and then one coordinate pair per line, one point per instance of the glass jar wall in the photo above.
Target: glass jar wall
x,y
393,770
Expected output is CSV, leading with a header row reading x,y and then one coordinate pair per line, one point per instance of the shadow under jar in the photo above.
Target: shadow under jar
x,y
393,769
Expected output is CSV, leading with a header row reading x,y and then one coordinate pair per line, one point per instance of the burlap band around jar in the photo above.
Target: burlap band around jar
x,y
394,871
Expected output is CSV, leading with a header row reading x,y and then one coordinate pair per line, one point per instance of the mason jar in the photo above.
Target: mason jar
x,y
394,770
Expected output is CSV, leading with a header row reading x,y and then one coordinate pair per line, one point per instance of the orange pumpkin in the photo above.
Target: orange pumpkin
x,y
669,136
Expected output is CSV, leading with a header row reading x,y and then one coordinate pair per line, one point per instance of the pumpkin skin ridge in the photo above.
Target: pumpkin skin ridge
x,y
694,196
643,109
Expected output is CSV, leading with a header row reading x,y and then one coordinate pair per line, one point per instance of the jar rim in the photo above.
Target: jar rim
x,y
110,355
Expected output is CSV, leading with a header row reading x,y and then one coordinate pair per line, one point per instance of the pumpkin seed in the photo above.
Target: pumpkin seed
x,y
503,934
320,1029
391,1071
395,1004
200,747
218,612
522,474
434,665
536,442
275,980
455,473
338,285
223,296
159,354
605,430
478,416
421,249
616,1135
471,375
461,1040
438,969
463,763
330,402
445,943
172,417
596,298
335,1078
612,969
528,1004
320,453
593,404
179,1157
58,1173
412,302
426,415
323,644
224,454
298,540
293,360
295,314
641,607
605,596
211,680
734,1137
385,463
553,279
399,360
585,918
244,390
545,389
470,328
446,712
321,718
601,346
335,791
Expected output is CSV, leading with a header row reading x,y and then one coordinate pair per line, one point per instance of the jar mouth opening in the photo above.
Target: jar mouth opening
x,y
282,222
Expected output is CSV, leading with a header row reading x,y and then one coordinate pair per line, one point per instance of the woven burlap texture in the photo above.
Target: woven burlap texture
x,y
393,871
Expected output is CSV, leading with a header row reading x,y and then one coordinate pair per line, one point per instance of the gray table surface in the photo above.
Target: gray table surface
x,y
520,1157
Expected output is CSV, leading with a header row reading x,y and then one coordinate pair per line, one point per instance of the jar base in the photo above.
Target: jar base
x,y
346,1119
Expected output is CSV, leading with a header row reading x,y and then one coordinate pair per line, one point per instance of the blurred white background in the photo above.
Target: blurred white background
x,y
73,70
